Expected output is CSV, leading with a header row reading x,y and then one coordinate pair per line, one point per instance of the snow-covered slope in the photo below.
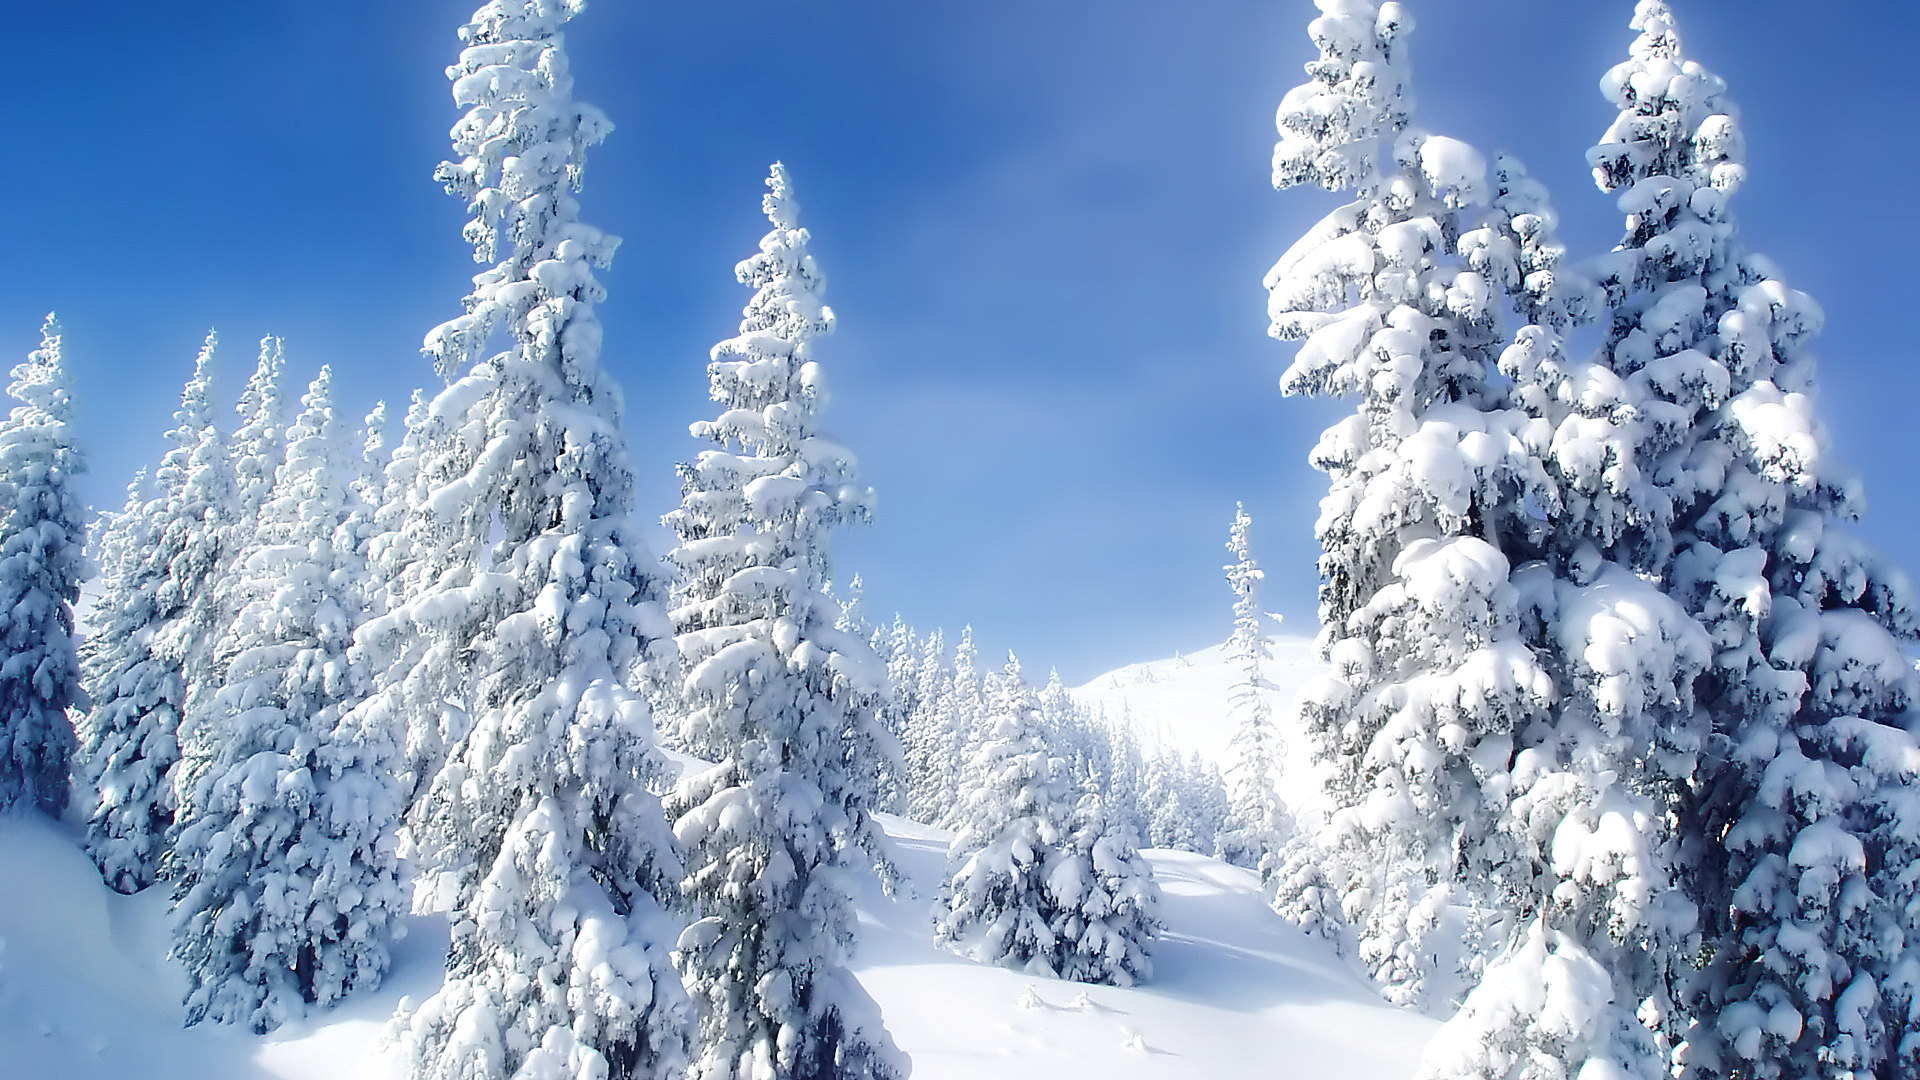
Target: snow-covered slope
x,y
1182,703
1231,984
85,991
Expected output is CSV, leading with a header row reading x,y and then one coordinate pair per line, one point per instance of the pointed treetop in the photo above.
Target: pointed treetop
x,y
196,398
789,282
40,381
140,488
1243,572
375,425
1015,695
319,395
521,148
781,207
1237,542
965,649
260,442
417,407
1675,119
317,440
260,401
514,56
1336,127
1659,38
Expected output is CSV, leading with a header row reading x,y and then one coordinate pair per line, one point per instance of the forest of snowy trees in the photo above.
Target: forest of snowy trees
x,y
1617,728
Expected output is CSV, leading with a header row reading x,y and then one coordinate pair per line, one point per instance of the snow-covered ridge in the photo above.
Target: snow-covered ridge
x,y
1181,702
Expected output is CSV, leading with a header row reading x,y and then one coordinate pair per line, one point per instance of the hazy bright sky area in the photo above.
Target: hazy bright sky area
x,y
1044,224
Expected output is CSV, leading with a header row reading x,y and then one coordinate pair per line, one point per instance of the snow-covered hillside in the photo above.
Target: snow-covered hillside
x,y
1182,703
85,990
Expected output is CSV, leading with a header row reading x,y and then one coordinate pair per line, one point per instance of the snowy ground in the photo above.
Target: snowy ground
x,y
85,990
1232,987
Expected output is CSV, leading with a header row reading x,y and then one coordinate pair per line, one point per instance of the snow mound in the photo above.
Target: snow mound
x,y
86,992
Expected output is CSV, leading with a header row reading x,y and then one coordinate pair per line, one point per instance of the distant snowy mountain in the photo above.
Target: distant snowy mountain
x,y
1182,702
87,994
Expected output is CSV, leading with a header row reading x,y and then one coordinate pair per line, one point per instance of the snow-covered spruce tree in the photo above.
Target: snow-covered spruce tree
x,y
964,724
1126,790
255,450
1579,926
779,699
1042,875
1177,814
1576,930
397,506
42,535
1389,312
1167,823
1104,898
1207,795
287,875
412,546
151,639
852,620
369,486
530,597
370,483
1255,814
926,741
1087,754
259,444
898,647
1538,699
1185,801
1486,727
1803,824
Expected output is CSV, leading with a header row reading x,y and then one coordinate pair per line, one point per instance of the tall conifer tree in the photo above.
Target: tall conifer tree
x,y
1510,708
41,539
152,640
259,443
1255,813
529,594
777,697
1415,602
1802,824
288,877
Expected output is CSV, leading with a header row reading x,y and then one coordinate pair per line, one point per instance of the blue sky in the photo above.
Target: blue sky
x,y
1044,223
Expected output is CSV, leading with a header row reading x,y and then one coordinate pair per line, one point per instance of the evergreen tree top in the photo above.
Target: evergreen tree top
x,y
259,445
375,433
195,414
523,146
533,21
260,403
1249,643
40,382
1675,119
1016,696
787,281
317,438
1336,127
